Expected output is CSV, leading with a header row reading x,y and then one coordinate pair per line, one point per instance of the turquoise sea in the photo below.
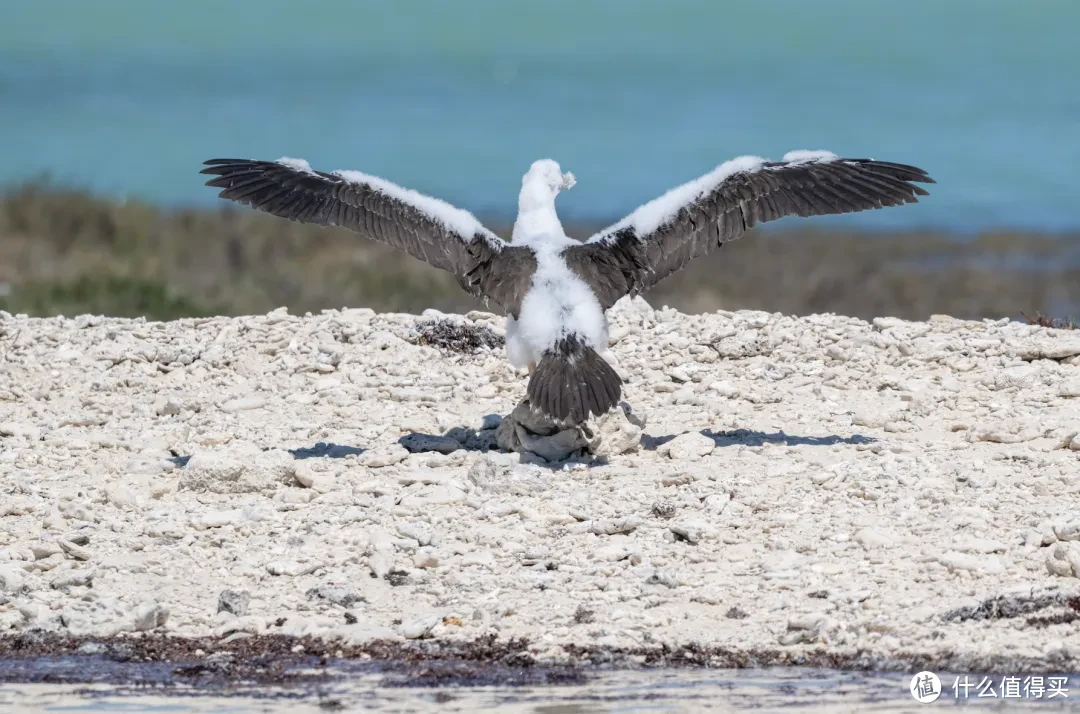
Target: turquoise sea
x,y
127,97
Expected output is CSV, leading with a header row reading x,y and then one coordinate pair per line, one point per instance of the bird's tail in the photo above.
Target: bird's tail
x,y
573,382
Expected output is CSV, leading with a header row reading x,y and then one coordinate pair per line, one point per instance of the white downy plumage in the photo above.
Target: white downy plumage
x,y
650,216
647,218
558,303
298,164
455,219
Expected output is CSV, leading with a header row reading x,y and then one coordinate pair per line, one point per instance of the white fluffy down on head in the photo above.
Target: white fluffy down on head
x,y
654,214
454,219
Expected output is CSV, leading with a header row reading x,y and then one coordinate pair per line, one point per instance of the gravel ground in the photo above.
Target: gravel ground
x,y
803,485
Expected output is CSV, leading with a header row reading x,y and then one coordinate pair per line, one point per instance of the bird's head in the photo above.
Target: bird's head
x,y
545,178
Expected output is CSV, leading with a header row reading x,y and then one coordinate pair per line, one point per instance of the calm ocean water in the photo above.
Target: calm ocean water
x,y
127,97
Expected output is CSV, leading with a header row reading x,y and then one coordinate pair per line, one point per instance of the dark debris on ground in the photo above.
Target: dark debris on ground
x,y
455,336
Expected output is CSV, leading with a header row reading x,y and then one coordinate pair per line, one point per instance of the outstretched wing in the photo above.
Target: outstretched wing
x,y
665,234
424,227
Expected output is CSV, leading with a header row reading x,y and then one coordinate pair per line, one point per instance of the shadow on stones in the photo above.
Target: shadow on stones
x,y
458,437
319,450
325,450
749,437
484,440
652,443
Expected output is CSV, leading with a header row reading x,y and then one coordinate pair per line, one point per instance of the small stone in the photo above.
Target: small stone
x,y
1019,377
242,470
417,531
170,406
980,545
954,561
364,631
12,578
338,595
72,579
380,563
692,446
75,551
383,456
483,558
55,521
659,576
45,549
92,648
304,475
420,443
149,616
487,391
419,627
16,429
295,495
434,496
289,568
870,538
1066,530
217,519
611,526
309,478
663,509
240,404
620,549
617,432
122,497
1063,560
715,504
875,418
425,558
234,601
803,629
677,479
691,530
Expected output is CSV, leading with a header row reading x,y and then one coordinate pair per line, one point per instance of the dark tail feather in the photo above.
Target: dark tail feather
x,y
573,382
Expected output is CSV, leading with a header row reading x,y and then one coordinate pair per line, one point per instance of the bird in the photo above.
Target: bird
x,y
554,290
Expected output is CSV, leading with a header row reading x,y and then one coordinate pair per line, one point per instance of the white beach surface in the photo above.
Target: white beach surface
x,y
894,491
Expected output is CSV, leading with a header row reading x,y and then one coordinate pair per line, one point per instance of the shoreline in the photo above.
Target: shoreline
x,y
276,659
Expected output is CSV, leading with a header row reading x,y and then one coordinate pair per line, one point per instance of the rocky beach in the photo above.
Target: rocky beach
x,y
884,494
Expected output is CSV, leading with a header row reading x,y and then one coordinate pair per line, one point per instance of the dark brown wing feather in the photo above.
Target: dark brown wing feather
x,y
484,264
618,261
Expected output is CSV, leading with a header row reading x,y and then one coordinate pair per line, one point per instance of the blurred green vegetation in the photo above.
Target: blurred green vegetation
x,y
67,252
115,295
